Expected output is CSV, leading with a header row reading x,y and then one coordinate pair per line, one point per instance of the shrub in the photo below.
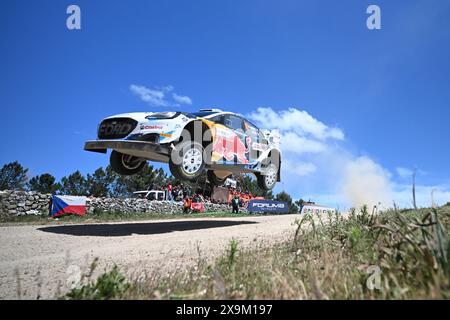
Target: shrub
x,y
110,285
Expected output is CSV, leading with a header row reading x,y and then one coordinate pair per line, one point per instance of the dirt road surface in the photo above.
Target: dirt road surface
x,y
38,261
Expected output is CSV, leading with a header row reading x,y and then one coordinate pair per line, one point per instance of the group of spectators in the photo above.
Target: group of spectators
x,y
183,193
178,192
196,199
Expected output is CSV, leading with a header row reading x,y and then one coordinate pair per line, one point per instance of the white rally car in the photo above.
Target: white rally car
x,y
220,142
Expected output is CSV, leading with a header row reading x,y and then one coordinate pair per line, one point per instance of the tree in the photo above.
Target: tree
x,y
284,196
160,178
300,204
98,184
146,179
74,184
44,183
143,180
13,176
247,183
119,187
200,185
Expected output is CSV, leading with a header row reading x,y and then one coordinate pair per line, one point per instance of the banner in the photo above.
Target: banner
x,y
268,206
68,205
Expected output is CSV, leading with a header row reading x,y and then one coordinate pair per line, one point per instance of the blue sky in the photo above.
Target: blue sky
x,y
387,90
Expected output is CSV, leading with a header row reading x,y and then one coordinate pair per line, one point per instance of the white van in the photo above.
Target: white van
x,y
317,209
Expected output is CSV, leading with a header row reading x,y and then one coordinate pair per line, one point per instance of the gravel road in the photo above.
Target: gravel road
x,y
37,261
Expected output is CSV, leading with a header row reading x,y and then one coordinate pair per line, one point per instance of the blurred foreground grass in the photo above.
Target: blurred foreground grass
x,y
396,254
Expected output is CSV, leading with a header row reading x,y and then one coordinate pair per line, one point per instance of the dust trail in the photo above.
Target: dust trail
x,y
366,182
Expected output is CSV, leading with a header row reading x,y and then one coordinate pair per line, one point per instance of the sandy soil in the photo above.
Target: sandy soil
x,y
38,261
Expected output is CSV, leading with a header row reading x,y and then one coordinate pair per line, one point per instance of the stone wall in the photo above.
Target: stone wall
x,y
132,205
29,202
23,203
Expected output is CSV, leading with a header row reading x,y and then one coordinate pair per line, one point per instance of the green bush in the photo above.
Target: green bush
x,y
110,285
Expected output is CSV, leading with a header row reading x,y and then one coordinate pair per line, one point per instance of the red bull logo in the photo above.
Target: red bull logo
x,y
228,145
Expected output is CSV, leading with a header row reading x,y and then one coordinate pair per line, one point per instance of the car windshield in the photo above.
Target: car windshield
x,y
203,114
162,115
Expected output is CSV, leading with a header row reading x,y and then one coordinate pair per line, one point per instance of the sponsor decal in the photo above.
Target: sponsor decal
x,y
114,128
228,145
268,206
164,135
224,132
252,166
152,127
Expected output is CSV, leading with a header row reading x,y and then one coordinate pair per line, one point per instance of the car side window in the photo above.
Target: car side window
x,y
218,119
234,122
250,128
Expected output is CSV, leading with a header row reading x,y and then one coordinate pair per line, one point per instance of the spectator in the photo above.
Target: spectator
x,y
174,193
169,190
178,194
235,204
187,191
187,205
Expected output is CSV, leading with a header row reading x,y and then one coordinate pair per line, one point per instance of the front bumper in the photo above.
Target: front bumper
x,y
142,149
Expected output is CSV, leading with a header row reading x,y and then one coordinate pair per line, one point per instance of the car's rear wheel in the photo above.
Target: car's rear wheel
x,y
125,164
187,160
268,180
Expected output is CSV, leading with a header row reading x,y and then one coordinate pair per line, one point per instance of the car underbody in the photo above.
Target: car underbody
x,y
161,153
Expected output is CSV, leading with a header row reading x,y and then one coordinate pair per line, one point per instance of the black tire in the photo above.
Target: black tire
x,y
214,179
184,163
124,164
268,181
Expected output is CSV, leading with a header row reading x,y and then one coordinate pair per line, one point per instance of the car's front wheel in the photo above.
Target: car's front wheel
x,y
268,180
187,160
125,164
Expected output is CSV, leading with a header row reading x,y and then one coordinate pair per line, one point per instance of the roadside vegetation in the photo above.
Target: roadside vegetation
x,y
397,254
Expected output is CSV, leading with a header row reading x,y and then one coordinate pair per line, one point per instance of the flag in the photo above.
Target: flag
x,y
68,205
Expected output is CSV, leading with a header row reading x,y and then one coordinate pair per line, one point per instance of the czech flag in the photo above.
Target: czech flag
x,y
68,205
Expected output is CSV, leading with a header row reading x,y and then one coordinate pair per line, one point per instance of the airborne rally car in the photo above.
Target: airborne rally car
x,y
220,142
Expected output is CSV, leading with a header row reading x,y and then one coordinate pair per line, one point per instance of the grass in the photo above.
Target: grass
x,y
391,255
106,217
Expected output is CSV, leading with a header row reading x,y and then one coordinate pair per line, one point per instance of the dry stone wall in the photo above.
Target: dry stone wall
x,y
30,202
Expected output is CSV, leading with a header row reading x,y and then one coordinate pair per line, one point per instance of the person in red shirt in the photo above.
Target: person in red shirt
x,y
169,190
